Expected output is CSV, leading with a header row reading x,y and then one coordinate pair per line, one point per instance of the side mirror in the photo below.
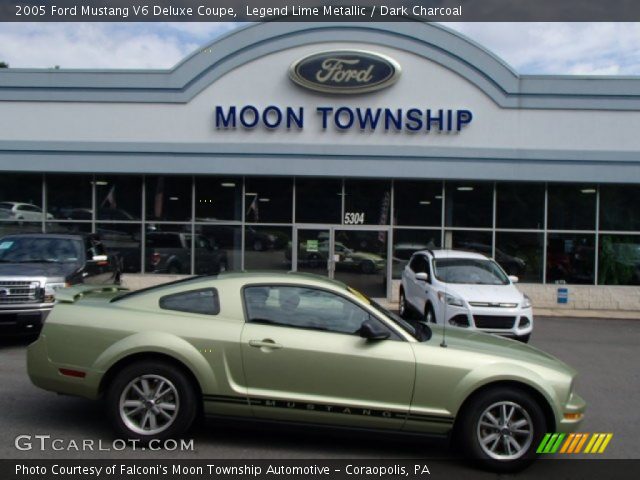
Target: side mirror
x,y
422,276
373,331
513,278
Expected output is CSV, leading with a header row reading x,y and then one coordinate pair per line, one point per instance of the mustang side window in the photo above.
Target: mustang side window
x,y
306,308
204,301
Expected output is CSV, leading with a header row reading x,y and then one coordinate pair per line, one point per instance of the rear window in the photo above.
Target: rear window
x,y
204,301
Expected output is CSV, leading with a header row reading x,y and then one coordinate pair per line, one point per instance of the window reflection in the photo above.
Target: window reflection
x,y
318,201
406,242
417,203
469,204
520,254
218,248
118,198
570,258
69,196
619,260
619,207
218,198
520,205
268,200
265,248
367,202
572,207
168,198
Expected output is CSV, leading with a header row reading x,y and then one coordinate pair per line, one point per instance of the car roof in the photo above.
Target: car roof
x,y
266,277
453,254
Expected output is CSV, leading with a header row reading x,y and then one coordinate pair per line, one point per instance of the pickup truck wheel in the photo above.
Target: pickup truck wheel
x,y
501,429
151,400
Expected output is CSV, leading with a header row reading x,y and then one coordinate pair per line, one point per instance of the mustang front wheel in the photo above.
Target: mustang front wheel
x,y
150,400
502,428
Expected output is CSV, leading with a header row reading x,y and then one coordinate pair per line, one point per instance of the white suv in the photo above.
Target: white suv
x,y
466,290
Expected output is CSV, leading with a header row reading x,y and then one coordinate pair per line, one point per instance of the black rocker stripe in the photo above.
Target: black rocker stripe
x,y
326,408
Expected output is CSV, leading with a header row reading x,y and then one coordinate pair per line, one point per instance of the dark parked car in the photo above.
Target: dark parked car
x,y
34,266
170,252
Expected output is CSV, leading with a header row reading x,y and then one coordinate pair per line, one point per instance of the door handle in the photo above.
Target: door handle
x,y
266,343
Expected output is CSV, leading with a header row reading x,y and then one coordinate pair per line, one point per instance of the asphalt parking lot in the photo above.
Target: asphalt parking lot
x,y
604,351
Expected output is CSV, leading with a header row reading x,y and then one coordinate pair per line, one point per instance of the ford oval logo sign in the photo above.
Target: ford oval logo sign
x,y
345,71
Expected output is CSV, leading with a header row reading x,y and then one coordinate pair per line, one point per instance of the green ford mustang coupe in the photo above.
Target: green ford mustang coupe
x,y
297,348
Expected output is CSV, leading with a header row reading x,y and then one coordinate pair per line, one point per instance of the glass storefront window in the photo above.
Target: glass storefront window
x,y
119,197
570,258
367,202
360,258
13,228
619,207
406,242
619,260
521,254
168,249
21,197
218,199
572,207
265,248
168,198
469,204
318,201
417,203
520,205
69,196
268,200
217,248
124,241
469,240
70,228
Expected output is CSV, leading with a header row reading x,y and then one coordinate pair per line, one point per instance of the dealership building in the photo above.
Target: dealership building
x,y
336,149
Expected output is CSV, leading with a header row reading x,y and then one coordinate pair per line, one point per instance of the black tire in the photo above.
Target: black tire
x,y
429,314
469,429
185,400
174,269
524,338
403,307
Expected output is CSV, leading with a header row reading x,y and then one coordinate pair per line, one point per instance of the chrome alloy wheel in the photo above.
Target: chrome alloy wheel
x,y
149,404
505,431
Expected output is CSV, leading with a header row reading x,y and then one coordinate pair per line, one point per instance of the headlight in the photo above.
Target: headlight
x,y
50,290
526,303
450,299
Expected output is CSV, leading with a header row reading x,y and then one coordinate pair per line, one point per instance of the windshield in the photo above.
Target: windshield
x,y
470,271
40,250
420,333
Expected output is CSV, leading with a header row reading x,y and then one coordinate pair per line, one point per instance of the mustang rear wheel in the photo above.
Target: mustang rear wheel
x,y
151,400
501,428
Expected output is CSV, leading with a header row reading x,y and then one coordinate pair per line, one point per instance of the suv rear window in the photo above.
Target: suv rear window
x,y
204,301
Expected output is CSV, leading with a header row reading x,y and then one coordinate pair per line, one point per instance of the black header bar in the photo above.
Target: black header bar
x,y
319,11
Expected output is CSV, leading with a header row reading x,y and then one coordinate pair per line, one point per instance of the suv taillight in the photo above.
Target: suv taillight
x,y
155,259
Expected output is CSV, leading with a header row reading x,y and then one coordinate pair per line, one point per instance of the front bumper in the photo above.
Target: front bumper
x,y
23,321
573,414
509,322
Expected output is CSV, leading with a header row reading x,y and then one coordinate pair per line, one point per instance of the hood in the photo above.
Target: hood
x,y
485,343
49,270
486,293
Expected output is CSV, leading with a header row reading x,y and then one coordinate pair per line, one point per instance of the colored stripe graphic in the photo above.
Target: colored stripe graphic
x,y
573,443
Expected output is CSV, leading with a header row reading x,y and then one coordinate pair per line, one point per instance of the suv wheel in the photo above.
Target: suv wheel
x,y
151,400
429,314
402,305
501,429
